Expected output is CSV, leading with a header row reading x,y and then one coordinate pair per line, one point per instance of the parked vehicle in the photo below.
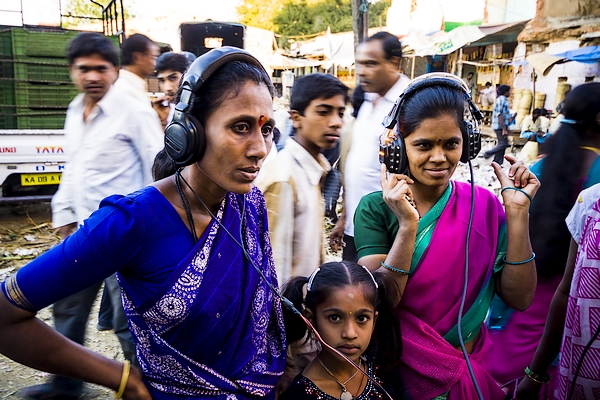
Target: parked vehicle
x,y
31,162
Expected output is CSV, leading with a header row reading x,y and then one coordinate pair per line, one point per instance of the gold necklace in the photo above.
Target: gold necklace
x,y
346,395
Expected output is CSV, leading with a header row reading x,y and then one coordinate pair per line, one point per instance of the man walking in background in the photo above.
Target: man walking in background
x,y
501,118
138,58
111,141
378,68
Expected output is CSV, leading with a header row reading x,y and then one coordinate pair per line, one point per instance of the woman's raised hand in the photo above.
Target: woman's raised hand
x,y
398,196
520,178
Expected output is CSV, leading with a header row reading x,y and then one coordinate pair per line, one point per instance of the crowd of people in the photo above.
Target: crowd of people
x,y
213,260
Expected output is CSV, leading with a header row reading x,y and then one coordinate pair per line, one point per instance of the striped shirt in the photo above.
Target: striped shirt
x,y
501,109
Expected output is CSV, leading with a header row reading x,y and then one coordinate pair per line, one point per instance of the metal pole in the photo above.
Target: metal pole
x,y
22,19
365,20
123,19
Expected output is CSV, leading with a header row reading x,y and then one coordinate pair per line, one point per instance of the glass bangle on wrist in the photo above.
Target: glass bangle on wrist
x,y
541,379
393,269
519,262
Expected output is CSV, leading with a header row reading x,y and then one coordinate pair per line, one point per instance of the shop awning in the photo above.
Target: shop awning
x,y
442,43
544,62
588,55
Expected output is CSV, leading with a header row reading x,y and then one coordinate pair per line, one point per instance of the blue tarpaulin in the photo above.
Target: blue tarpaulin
x,y
589,55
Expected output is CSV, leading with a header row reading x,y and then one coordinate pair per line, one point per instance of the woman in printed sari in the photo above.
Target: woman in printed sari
x,y
192,255
415,230
572,163
573,325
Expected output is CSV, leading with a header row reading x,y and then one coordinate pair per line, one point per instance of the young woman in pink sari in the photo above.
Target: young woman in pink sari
x,y
415,230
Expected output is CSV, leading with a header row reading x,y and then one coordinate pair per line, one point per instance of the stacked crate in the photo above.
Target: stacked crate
x,y
35,85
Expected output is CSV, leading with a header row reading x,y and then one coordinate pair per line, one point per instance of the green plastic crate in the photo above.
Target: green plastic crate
x,y
6,43
7,120
32,119
44,95
23,43
40,43
7,93
40,70
55,120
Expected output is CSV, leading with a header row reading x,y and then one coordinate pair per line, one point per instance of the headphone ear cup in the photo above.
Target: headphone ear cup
x,y
199,138
471,143
466,151
185,141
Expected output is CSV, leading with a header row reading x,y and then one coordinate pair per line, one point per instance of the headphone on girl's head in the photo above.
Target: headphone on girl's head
x,y
392,150
185,139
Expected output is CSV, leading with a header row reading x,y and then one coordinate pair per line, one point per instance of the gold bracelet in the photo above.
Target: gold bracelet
x,y
124,379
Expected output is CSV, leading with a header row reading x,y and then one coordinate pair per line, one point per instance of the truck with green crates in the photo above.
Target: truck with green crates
x,y
35,92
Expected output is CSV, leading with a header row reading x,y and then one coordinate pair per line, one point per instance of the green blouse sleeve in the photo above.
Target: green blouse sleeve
x,y
375,226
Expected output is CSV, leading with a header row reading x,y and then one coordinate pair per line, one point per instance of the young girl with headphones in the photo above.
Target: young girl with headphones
x,y
428,232
191,252
348,307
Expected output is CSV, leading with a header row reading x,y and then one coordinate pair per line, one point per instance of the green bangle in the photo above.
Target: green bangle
x,y
518,190
519,262
541,379
398,270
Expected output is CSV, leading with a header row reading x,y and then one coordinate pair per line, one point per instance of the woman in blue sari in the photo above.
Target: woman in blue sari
x,y
192,255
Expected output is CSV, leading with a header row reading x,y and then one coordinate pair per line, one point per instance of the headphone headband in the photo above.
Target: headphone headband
x,y
205,65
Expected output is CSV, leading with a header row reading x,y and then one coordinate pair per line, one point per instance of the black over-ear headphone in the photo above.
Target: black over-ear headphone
x,y
392,150
185,140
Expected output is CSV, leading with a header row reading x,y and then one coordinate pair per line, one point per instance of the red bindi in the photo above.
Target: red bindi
x,y
261,121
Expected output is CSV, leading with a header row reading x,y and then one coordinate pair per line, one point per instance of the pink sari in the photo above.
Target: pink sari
x,y
431,366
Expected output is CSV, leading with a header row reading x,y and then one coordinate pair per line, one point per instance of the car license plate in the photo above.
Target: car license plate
x,y
40,179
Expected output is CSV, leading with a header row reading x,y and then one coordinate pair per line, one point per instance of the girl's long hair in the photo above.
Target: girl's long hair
x,y
562,179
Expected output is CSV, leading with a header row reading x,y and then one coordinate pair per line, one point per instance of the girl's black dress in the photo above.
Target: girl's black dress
x,y
303,388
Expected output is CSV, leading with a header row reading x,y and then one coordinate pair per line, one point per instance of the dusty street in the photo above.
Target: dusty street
x,y
25,231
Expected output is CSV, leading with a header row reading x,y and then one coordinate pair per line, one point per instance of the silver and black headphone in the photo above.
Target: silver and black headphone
x,y
392,150
185,139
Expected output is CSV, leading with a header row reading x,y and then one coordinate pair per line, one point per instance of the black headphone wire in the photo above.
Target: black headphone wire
x,y
580,362
464,294
285,301
185,203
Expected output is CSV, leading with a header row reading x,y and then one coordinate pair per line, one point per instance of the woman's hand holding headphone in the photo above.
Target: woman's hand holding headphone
x,y
398,196
522,184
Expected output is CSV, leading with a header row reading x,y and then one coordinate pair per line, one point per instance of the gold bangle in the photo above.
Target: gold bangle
x,y
124,379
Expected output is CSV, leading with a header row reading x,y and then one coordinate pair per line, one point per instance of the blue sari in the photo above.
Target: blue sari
x,y
205,323
214,328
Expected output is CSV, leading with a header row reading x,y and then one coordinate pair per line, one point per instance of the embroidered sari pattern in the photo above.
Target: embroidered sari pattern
x,y
242,346
583,316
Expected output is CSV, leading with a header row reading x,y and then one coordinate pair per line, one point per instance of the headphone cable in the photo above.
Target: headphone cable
x,y
464,294
286,302
580,363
